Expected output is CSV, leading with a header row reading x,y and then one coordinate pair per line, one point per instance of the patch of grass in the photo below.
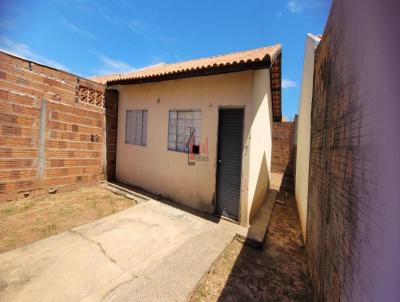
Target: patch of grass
x,y
20,208
202,291
100,213
66,210
49,229
28,205
33,218
11,240
8,211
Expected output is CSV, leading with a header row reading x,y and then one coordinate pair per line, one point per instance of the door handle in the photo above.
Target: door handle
x,y
219,161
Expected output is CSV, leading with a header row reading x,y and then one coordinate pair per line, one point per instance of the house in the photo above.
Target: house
x,y
199,132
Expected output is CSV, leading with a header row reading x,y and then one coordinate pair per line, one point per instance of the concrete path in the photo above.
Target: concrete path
x,y
150,252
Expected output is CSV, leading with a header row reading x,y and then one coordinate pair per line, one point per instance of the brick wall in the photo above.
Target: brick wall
x,y
111,129
52,128
282,144
336,168
353,244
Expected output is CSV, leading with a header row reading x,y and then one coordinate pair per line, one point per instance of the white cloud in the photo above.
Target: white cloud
x,y
81,6
79,31
151,66
286,83
22,50
110,66
113,66
294,7
297,6
143,23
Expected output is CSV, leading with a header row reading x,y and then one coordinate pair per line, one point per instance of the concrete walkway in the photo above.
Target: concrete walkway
x,y
150,252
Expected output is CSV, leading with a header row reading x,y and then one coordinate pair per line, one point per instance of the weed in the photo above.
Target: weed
x,y
49,229
8,211
28,205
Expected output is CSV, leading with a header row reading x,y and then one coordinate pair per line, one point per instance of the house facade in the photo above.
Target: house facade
x,y
199,132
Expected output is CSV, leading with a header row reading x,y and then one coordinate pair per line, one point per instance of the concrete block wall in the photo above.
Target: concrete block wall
x,y
52,129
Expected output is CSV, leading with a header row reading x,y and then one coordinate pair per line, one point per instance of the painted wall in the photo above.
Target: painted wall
x,y
158,170
304,130
260,141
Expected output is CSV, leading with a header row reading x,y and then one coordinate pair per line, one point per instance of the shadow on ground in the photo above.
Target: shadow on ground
x,y
275,272
148,195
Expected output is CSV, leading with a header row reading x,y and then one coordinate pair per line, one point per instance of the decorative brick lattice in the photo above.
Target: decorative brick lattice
x,y
91,96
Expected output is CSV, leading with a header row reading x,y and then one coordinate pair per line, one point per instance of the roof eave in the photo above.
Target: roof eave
x,y
274,64
207,71
276,87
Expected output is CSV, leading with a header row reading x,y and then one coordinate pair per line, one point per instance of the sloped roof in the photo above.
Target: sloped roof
x,y
264,57
263,54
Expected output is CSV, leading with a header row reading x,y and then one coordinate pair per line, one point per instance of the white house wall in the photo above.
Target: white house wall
x,y
304,130
160,171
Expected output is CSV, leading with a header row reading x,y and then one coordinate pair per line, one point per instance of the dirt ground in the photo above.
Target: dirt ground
x,y
276,272
27,220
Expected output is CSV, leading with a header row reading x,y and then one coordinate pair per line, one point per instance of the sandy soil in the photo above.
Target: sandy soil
x,y
27,220
276,272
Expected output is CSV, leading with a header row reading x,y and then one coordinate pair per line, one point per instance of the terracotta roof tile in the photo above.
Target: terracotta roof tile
x,y
259,55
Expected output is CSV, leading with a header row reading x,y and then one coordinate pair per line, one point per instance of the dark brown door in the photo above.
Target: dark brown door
x,y
229,161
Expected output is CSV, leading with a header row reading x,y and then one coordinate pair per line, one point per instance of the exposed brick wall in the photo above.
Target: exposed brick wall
x,y
65,149
352,228
335,168
111,97
282,144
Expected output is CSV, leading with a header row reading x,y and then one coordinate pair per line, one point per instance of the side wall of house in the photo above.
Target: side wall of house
x,y
260,141
353,242
304,131
158,170
52,129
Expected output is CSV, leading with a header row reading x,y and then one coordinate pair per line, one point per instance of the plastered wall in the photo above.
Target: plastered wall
x,y
160,171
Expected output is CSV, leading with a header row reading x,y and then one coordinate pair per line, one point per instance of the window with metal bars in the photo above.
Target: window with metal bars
x,y
183,125
136,127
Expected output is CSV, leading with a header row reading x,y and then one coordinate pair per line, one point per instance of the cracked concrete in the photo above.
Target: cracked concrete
x,y
149,252
95,242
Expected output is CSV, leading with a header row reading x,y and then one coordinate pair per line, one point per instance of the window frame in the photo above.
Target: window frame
x,y
176,130
144,129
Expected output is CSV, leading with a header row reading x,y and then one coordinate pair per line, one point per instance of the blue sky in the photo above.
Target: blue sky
x,y
99,37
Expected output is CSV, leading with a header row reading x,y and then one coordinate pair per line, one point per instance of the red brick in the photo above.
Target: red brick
x,y
71,158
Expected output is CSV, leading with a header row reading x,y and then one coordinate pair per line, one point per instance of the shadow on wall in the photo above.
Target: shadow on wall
x,y
261,187
111,106
163,199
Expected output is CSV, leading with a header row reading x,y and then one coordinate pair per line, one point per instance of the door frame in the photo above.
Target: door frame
x,y
231,218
